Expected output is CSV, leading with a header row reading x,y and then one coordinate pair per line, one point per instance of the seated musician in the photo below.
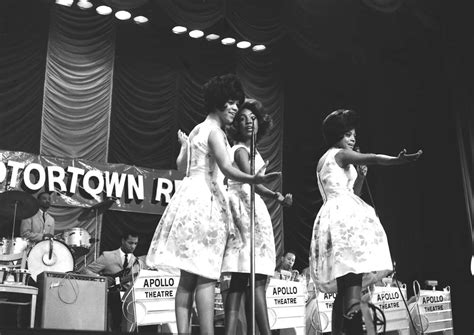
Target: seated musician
x,y
40,225
118,266
285,270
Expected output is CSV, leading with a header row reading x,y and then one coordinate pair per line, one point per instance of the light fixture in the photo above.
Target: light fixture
x,y
196,33
123,15
212,37
67,3
258,48
103,10
179,30
140,19
84,4
228,41
243,45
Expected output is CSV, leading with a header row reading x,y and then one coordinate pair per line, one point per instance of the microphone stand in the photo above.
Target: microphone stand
x,y
252,228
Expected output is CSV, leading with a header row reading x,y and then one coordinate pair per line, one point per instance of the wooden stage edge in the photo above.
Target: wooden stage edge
x,y
142,330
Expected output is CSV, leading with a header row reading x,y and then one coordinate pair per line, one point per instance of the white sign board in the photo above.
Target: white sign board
x,y
154,294
431,312
286,305
390,301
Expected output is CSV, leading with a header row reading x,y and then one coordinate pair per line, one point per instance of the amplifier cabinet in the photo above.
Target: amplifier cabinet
x,y
72,301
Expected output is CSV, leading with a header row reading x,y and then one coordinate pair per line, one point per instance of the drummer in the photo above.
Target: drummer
x,y
40,225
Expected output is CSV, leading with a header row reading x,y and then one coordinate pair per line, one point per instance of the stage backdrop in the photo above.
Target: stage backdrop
x,y
78,85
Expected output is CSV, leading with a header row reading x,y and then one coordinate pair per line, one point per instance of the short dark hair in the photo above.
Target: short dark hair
x,y
127,233
336,124
41,193
265,121
220,89
288,252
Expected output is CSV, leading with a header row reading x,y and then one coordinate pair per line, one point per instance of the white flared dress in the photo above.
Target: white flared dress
x,y
237,253
194,228
347,234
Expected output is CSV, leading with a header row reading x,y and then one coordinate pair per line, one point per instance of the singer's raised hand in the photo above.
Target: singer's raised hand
x,y
182,137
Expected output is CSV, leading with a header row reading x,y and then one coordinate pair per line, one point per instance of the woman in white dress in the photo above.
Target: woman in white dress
x,y
249,118
349,249
194,228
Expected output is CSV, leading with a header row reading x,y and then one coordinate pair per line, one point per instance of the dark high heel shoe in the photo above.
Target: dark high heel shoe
x,y
352,324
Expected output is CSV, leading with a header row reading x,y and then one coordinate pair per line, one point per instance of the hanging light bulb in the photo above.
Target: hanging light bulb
x,y
212,37
243,45
84,4
196,33
104,10
123,15
259,48
179,30
140,19
67,3
228,41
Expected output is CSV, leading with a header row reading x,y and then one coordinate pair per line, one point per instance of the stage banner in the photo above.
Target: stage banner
x,y
82,183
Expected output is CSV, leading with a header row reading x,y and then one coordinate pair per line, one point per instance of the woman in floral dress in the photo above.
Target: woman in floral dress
x,y
237,254
349,248
194,228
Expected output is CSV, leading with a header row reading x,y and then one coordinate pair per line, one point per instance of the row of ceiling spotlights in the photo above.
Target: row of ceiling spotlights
x,y
104,10
125,15
212,37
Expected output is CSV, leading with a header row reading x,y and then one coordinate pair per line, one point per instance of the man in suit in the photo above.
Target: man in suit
x,y
40,225
118,266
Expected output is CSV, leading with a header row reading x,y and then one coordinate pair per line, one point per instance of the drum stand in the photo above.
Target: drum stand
x,y
14,219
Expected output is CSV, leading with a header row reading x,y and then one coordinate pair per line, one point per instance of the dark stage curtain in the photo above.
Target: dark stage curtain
x,y
115,223
23,40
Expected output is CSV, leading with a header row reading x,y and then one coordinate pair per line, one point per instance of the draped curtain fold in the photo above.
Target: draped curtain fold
x,y
78,85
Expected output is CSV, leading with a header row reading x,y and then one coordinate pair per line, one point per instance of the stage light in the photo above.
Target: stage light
x,y
123,15
228,41
196,33
103,10
67,3
84,4
212,37
259,48
140,19
179,30
243,45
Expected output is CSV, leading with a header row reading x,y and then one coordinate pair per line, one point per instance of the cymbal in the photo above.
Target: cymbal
x,y
26,204
100,208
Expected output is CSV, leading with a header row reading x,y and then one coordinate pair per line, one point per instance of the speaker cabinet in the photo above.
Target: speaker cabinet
x,y
72,301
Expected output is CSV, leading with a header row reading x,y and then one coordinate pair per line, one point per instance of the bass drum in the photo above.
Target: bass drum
x,y
49,255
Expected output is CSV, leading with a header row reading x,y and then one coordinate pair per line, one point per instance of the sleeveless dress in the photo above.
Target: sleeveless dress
x,y
347,234
194,227
237,253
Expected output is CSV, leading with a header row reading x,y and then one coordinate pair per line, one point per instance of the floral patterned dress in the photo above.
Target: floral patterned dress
x,y
347,234
193,230
237,253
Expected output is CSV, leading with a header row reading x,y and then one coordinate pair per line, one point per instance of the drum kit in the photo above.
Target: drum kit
x,y
58,253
